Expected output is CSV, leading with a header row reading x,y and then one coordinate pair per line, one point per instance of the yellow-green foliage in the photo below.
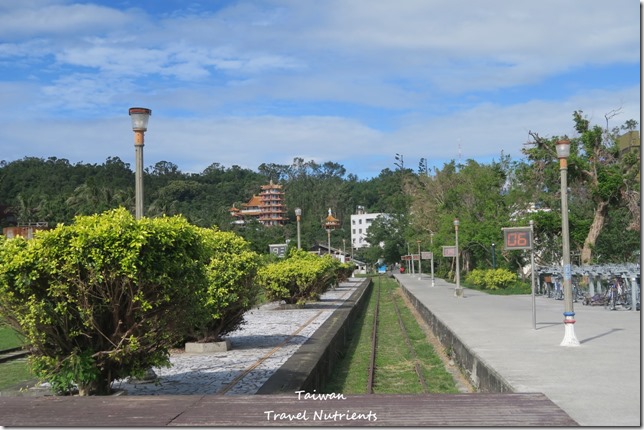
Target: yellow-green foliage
x,y
300,277
231,290
493,279
106,297
476,277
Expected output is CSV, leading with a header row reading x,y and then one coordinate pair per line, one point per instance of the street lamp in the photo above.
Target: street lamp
x,y
330,223
563,152
420,270
298,215
139,118
459,291
431,241
493,256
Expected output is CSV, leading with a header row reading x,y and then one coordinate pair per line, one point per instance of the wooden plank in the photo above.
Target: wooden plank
x,y
445,410
387,410
75,411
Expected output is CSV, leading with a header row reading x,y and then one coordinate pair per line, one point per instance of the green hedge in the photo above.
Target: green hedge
x,y
301,277
106,297
492,279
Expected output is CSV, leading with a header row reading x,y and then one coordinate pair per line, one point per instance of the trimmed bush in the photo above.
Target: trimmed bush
x,y
231,288
499,278
106,297
492,279
476,277
300,277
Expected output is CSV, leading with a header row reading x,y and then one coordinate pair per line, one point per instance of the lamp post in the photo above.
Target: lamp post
x,y
330,223
139,118
420,269
431,241
563,151
298,215
493,256
459,291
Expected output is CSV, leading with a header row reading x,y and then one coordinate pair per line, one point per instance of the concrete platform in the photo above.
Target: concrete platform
x,y
493,338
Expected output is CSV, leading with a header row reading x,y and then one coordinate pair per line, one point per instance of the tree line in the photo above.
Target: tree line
x,y
603,181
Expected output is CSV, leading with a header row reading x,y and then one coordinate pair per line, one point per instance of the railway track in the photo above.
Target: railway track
x,y
374,341
272,352
266,356
374,344
10,354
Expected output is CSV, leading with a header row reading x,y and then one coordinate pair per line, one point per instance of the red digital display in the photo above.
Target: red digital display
x,y
517,238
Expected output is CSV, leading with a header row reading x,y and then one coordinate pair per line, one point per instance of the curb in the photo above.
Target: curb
x,y
482,376
309,367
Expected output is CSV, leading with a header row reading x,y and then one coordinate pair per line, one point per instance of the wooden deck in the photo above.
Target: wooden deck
x,y
431,410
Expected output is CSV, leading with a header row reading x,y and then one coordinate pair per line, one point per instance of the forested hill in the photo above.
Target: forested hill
x,y
55,190
603,199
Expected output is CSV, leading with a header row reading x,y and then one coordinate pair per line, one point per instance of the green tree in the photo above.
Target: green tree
x,y
386,239
474,194
598,174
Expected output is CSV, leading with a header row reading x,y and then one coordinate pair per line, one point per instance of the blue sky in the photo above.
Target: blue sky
x,y
349,81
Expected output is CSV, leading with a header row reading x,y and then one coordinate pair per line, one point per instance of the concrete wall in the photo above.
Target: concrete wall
x,y
312,364
483,377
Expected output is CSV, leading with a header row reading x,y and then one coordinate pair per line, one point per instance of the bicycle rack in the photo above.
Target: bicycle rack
x,y
599,277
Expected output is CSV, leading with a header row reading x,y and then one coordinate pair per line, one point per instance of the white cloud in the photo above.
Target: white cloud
x,y
266,81
38,18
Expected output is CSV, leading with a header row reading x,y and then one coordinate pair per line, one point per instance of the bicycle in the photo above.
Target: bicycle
x,y
577,293
559,294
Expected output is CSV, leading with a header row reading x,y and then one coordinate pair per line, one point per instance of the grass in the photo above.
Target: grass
x,y
353,371
395,366
8,337
514,289
13,373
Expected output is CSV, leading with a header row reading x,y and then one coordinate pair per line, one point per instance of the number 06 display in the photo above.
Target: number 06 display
x,y
517,238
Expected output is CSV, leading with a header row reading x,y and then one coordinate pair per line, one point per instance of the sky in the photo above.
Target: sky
x,y
353,82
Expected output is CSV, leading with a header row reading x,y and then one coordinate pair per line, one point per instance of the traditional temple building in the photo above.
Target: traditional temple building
x,y
268,208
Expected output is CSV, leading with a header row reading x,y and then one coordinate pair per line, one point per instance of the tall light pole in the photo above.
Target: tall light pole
x,y
459,291
298,215
330,223
431,241
139,118
493,256
563,152
420,269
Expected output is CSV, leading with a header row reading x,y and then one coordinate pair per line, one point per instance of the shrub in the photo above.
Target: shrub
x,y
300,277
231,289
105,297
499,278
476,277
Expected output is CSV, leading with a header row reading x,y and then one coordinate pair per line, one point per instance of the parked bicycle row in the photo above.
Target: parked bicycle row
x,y
609,285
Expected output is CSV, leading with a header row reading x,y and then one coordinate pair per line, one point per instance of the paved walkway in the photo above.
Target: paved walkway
x,y
597,383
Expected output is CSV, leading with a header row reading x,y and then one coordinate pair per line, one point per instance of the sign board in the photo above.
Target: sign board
x,y
449,251
382,269
278,249
517,238
415,257
405,257
426,255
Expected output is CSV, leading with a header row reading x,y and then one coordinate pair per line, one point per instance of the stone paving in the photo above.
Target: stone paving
x,y
265,329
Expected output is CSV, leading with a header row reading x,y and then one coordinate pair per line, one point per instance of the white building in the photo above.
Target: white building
x,y
360,223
